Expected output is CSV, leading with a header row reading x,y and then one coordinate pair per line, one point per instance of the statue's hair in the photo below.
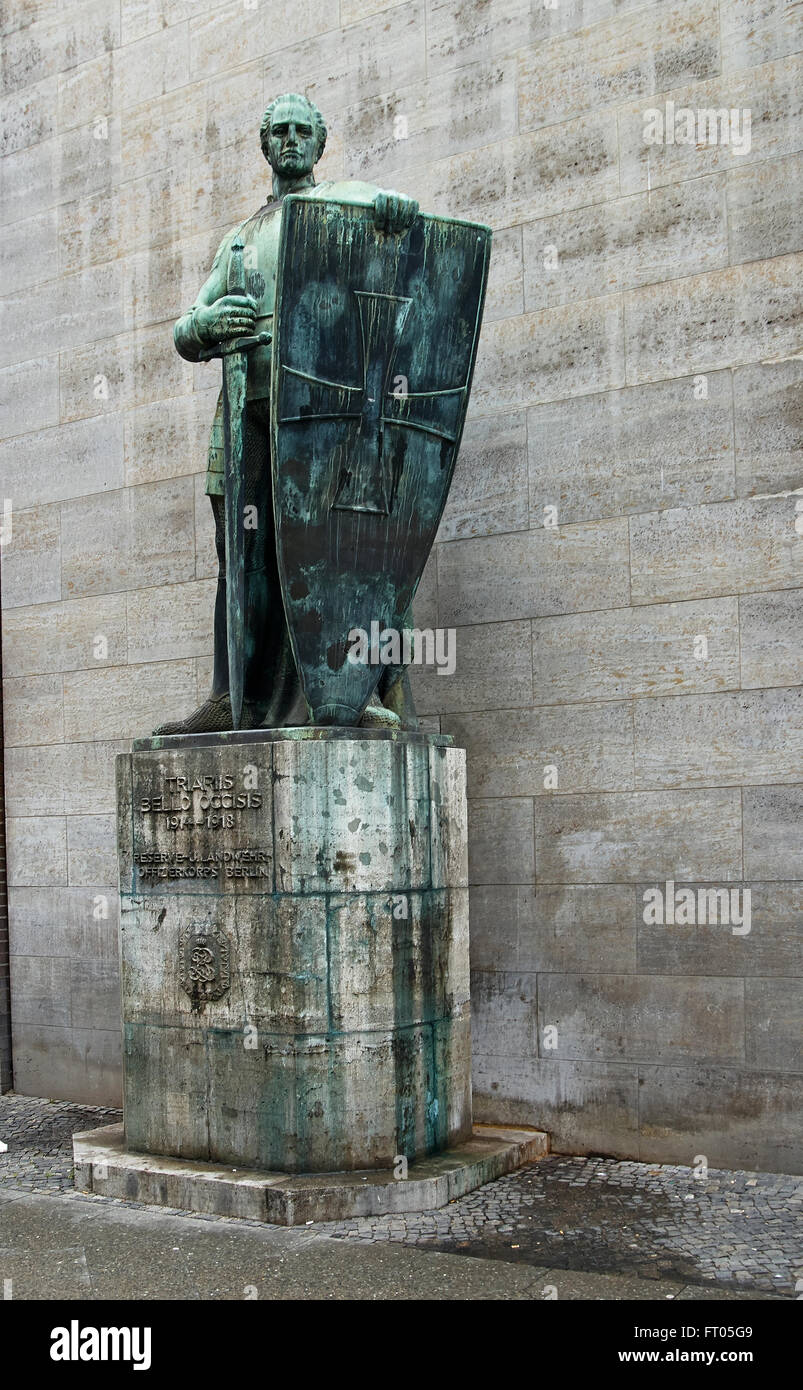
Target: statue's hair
x,y
317,120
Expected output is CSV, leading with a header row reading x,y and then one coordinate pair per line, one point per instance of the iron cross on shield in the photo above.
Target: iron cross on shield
x,y
366,483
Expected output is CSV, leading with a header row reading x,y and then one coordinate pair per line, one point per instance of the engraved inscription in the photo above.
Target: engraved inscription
x,y
204,968
221,863
203,803
202,823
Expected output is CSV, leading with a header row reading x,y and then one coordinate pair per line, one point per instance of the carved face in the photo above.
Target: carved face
x,y
293,140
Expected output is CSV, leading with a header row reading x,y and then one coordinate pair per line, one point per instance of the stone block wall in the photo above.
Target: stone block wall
x,y
620,557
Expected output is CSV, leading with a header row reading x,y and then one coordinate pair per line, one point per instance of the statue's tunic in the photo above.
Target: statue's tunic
x,y
259,235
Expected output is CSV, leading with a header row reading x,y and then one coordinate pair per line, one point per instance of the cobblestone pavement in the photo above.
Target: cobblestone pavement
x,y
734,1230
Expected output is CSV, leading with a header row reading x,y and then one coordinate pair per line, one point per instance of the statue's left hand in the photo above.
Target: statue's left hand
x,y
393,212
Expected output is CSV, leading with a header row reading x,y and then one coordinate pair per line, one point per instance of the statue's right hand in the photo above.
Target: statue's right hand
x,y
232,316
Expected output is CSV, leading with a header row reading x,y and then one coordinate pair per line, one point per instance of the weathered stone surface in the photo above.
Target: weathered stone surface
x,y
55,920
522,752
753,34
503,1017
398,129
727,738
39,995
643,1018
762,209
719,319
773,845
773,1020
587,1107
63,462
105,1167
88,233
128,538
129,370
631,450
120,702
489,487
75,635
157,289
748,1120
499,912
48,779
376,842
501,841
37,850
27,179
28,116
534,357
88,88
625,243
41,718
323,881
448,817
88,307
582,169
767,941
32,564
60,1060
333,63
91,849
768,426
174,620
528,575
636,651
576,927
769,630
505,293
166,438
493,666
723,548
30,248
168,130
772,94
95,995
637,54
625,837
153,65
29,393
34,780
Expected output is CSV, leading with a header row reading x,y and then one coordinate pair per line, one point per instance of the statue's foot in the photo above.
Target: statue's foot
x,y
213,717
377,717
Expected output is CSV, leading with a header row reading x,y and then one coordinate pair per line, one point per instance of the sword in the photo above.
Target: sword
x,y
234,353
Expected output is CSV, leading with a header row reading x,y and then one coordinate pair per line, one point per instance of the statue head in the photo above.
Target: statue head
x,y
292,135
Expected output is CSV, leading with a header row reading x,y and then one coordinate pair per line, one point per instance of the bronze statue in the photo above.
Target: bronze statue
x,y
262,668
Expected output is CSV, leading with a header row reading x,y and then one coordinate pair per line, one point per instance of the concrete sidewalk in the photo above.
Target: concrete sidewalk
x,y
77,1247
587,1228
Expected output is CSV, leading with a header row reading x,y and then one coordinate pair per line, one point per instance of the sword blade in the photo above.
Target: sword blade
x,y
235,368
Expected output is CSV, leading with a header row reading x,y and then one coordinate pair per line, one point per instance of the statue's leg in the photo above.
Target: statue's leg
x,y
392,703
272,687
396,695
220,669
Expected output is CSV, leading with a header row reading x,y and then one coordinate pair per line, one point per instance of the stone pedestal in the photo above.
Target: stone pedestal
x,y
294,940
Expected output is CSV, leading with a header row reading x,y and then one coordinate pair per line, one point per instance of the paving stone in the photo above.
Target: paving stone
x,y
571,1216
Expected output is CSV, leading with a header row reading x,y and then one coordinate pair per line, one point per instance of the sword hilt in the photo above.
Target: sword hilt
x,y
235,345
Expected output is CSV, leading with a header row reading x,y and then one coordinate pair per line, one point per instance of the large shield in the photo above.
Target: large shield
x,y
374,343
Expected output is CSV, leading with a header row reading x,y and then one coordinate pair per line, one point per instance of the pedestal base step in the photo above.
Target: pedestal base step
x,y
106,1168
